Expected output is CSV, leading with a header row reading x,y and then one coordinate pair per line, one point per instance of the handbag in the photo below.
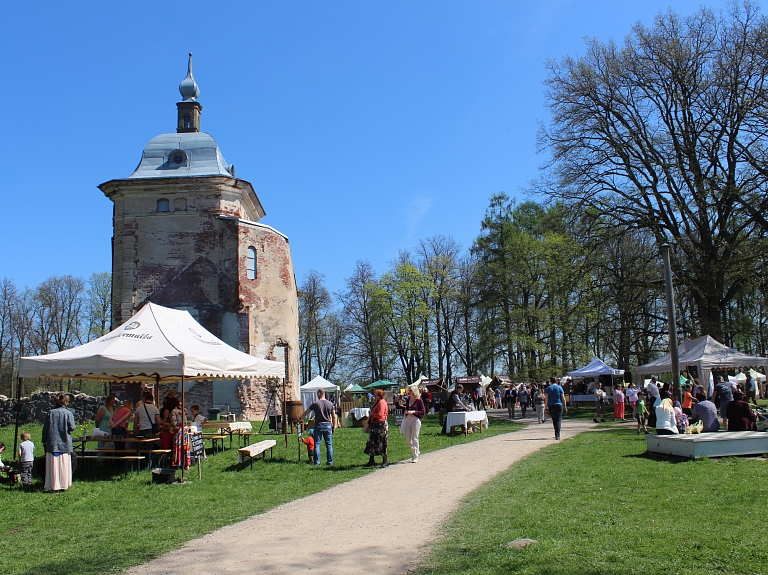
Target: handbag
x,y
367,426
155,429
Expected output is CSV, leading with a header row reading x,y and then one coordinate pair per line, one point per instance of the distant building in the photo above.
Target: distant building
x,y
187,235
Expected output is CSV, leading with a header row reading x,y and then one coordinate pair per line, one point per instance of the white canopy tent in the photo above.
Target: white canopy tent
x,y
156,344
309,390
595,368
157,341
705,354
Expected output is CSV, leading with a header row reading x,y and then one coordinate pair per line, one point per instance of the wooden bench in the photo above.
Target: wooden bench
x,y
252,451
127,459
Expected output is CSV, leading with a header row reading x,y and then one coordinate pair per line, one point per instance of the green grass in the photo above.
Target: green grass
x,y
107,522
597,505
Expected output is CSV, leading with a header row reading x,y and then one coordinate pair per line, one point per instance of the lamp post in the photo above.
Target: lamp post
x,y
671,321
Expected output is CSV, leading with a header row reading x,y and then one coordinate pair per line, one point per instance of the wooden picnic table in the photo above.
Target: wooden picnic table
x,y
142,444
230,428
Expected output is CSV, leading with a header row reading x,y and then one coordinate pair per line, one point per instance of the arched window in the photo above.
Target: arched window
x,y
163,206
250,263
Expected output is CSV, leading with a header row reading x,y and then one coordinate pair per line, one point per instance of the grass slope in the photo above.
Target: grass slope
x,y
598,505
107,522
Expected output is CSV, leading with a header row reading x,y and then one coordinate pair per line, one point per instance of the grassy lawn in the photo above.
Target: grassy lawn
x,y
107,522
598,505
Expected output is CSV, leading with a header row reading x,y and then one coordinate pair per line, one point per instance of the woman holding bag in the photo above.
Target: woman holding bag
x,y
378,436
411,426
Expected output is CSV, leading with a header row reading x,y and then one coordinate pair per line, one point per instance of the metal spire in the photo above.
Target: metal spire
x,y
188,88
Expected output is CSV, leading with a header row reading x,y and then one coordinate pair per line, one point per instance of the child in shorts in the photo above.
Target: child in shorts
x,y
27,458
641,413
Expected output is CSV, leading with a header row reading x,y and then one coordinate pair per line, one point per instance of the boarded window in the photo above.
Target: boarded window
x,y
250,263
163,206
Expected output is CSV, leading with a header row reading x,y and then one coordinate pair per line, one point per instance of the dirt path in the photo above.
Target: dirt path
x,y
374,524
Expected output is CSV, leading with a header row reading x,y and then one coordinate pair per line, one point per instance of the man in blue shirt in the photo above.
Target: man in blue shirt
x,y
555,404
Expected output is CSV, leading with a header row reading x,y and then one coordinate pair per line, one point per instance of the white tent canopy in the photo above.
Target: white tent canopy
x,y
595,368
309,390
156,342
704,354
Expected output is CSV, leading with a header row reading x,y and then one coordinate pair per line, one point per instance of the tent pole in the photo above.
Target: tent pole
x,y
18,415
183,425
671,322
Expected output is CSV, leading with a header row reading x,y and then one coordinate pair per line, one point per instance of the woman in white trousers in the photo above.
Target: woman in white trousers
x,y
411,426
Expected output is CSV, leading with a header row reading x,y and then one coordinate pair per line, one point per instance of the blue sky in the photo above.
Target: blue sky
x,y
363,126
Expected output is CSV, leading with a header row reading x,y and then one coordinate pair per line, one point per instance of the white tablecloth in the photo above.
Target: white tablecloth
x,y
229,426
464,417
360,412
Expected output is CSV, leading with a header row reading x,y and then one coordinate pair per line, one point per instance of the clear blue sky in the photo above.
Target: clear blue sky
x,y
363,126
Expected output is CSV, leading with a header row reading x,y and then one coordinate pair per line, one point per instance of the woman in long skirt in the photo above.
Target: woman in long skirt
x,y
618,403
379,434
57,442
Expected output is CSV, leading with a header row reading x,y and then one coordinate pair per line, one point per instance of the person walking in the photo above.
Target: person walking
x,y
539,401
600,399
57,442
325,424
379,433
411,426
555,405
510,396
523,397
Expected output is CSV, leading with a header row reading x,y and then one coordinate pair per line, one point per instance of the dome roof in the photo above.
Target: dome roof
x,y
180,155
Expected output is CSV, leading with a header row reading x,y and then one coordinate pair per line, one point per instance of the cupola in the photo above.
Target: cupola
x,y
189,108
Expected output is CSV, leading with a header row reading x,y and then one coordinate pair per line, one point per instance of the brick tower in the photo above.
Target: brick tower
x,y
186,235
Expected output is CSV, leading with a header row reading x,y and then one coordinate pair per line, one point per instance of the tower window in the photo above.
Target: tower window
x,y
187,121
250,263
163,206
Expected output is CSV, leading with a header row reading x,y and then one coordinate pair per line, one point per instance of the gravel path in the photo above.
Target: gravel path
x,y
375,524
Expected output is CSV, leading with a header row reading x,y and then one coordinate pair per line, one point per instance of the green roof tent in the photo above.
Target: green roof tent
x,y
380,384
355,388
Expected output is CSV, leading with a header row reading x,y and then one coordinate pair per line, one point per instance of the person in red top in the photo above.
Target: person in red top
x,y
310,443
688,401
378,436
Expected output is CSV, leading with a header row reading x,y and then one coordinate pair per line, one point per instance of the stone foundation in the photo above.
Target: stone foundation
x,y
35,408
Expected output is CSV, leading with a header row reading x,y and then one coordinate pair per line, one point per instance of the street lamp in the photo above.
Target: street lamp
x,y
671,321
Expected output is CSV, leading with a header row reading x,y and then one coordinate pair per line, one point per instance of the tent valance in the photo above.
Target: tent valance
x,y
156,343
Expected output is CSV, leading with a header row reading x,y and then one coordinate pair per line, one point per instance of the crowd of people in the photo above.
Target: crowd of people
x,y
115,421
724,406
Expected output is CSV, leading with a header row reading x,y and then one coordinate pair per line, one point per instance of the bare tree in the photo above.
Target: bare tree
x,y
99,305
667,133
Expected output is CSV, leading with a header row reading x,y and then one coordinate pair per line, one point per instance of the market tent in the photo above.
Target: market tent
x,y
702,355
156,343
380,384
309,390
355,389
595,368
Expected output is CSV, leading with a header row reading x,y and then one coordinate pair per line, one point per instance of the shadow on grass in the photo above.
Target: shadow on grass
x,y
658,457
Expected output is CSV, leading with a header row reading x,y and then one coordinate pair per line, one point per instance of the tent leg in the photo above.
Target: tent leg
x,y
18,416
183,425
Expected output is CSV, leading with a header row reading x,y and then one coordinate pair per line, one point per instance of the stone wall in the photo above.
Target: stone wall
x,y
35,408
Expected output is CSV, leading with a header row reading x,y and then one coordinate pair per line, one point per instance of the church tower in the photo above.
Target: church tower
x,y
186,235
